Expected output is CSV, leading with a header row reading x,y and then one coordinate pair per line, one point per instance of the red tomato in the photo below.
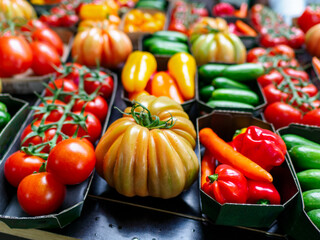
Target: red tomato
x,y
283,50
50,37
15,55
70,71
98,107
51,20
65,84
35,140
45,58
297,73
267,40
72,161
254,54
297,37
54,115
272,94
19,165
58,11
93,126
311,90
281,114
40,194
200,11
306,107
292,63
100,80
272,77
312,117
178,26
32,25
68,20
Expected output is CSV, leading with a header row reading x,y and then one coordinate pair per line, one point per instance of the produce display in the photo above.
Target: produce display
x,y
227,78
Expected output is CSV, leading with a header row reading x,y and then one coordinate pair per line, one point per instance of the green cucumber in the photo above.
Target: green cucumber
x,y
159,5
309,179
167,49
292,140
148,43
236,95
229,105
206,92
209,71
311,199
223,82
243,72
305,157
314,215
171,36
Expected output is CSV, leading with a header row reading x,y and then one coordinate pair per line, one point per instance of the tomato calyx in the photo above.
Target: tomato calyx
x,y
145,119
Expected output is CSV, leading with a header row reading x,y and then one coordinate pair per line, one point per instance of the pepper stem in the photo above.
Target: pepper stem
x,y
263,201
213,177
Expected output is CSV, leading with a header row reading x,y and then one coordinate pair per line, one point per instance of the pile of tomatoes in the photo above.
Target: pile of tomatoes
x,y
291,96
33,45
58,144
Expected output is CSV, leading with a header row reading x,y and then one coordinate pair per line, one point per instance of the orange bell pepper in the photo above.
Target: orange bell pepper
x,y
163,84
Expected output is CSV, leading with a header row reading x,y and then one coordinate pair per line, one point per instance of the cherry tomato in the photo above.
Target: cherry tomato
x,y
105,87
272,94
51,20
292,63
297,38
19,165
40,194
68,20
310,89
45,58
35,140
54,115
306,107
72,161
254,54
312,117
98,107
297,73
267,40
272,77
15,55
32,25
177,26
70,71
50,37
65,84
283,50
93,126
281,114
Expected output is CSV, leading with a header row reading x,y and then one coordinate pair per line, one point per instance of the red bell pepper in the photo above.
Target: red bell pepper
x,y
309,18
262,146
227,185
223,9
262,193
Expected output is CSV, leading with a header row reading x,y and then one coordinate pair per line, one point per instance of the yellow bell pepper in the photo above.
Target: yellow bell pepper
x,y
182,66
137,71
94,11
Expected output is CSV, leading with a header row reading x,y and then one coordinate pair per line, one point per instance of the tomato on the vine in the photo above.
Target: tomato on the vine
x,y
92,131
68,20
254,54
272,94
71,71
105,87
268,40
312,117
65,85
283,50
45,58
72,161
98,107
19,165
15,55
281,114
55,114
36,139
32,25
272,77
51,20
40,193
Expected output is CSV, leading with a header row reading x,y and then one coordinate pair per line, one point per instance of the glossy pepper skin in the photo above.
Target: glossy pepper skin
x,y
137,71
262,193
227,185
309,18
182,66
261,146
